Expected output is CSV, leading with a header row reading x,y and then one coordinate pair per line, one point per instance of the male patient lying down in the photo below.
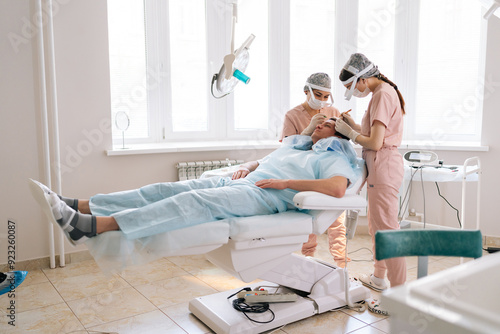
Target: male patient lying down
x,y
323,162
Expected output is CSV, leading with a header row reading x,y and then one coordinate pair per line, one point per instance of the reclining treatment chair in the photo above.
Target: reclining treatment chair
x,y
250,248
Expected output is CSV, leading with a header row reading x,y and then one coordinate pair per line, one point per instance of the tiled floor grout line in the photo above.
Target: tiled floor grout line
x,y
69,307
65,302
175,322
159,309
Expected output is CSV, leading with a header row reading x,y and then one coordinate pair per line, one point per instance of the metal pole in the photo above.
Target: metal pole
x,y
45,124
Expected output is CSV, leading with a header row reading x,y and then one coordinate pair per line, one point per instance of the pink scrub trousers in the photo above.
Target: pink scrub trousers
x,y
385,175
336,242
296,120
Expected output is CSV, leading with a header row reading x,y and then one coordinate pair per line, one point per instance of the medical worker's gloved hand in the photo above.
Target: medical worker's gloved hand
x,y
240,173
346,130
348,119
315,121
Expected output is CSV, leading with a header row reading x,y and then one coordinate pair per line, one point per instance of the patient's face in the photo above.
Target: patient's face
x,y
324,130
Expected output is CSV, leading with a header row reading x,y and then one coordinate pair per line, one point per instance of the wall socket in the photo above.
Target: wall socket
x,y
415,216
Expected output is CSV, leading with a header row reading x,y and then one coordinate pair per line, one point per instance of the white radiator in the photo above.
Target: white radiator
x,y
194,169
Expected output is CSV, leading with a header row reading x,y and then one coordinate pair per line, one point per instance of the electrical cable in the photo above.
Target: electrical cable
x,y
458,213
240,305
368,249
215,77
357,250
423,191
407,194
408,191
359,307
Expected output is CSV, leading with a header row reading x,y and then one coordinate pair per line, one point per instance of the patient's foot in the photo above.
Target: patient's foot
x,y
76,226
71,202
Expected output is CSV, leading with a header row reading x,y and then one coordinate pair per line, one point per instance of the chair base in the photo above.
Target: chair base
x,y
217,312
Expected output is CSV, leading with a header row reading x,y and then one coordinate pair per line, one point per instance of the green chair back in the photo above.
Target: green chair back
x,y
423,243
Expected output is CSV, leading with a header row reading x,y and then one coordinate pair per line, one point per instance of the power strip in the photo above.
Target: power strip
x,y
263,296
271,298
244,294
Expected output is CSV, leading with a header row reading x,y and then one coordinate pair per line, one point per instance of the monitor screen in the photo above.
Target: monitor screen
x,y
420,156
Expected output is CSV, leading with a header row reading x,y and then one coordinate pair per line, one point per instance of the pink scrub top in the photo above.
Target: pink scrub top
x,y
385,108
385,166
297,119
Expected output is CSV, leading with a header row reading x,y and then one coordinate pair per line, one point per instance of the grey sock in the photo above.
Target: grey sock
x,y
77,226
71,202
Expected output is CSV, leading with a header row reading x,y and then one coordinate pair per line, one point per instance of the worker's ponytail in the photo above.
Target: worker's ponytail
x,y
382,77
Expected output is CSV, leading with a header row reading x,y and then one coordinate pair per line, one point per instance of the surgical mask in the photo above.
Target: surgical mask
x,y
364,93
316,104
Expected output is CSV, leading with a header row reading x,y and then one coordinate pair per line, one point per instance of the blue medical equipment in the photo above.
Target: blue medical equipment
x,y
241,76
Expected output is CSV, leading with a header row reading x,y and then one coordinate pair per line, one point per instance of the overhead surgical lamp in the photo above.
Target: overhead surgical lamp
x,y
234,65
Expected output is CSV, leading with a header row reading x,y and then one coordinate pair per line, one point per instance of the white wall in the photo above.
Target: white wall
x,y
18,130
84,104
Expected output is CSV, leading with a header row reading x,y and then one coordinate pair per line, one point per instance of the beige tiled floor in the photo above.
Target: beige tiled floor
x,y
154,298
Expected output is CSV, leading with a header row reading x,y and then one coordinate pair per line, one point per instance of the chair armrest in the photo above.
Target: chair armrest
x,y
313,200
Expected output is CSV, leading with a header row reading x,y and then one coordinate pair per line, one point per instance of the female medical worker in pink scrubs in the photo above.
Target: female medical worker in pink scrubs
x,y
380,134
314,110
303,119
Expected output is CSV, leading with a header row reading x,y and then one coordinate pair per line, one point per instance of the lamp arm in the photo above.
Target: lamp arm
x,y
493,8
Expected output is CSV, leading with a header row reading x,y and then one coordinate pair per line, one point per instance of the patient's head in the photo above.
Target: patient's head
x,y
325,130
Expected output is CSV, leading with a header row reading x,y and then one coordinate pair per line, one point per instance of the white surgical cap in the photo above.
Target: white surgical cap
x,y
319,81
360,67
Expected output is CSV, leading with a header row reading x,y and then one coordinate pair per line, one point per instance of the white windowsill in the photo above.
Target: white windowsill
x,y
449,146
179,147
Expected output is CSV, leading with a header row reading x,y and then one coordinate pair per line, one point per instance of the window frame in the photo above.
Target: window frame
x,y
406,76
221,111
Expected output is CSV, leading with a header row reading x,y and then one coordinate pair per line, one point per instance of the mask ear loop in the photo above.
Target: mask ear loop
x,y
350,91
331,99
311,92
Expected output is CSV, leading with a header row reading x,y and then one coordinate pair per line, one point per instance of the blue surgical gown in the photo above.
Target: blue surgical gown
x,y
163,207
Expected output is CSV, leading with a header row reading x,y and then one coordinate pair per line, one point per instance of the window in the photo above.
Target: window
x,y
162,58
127,61
312,31
449,71
188,66
251,109
376,25
163,55
433,51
